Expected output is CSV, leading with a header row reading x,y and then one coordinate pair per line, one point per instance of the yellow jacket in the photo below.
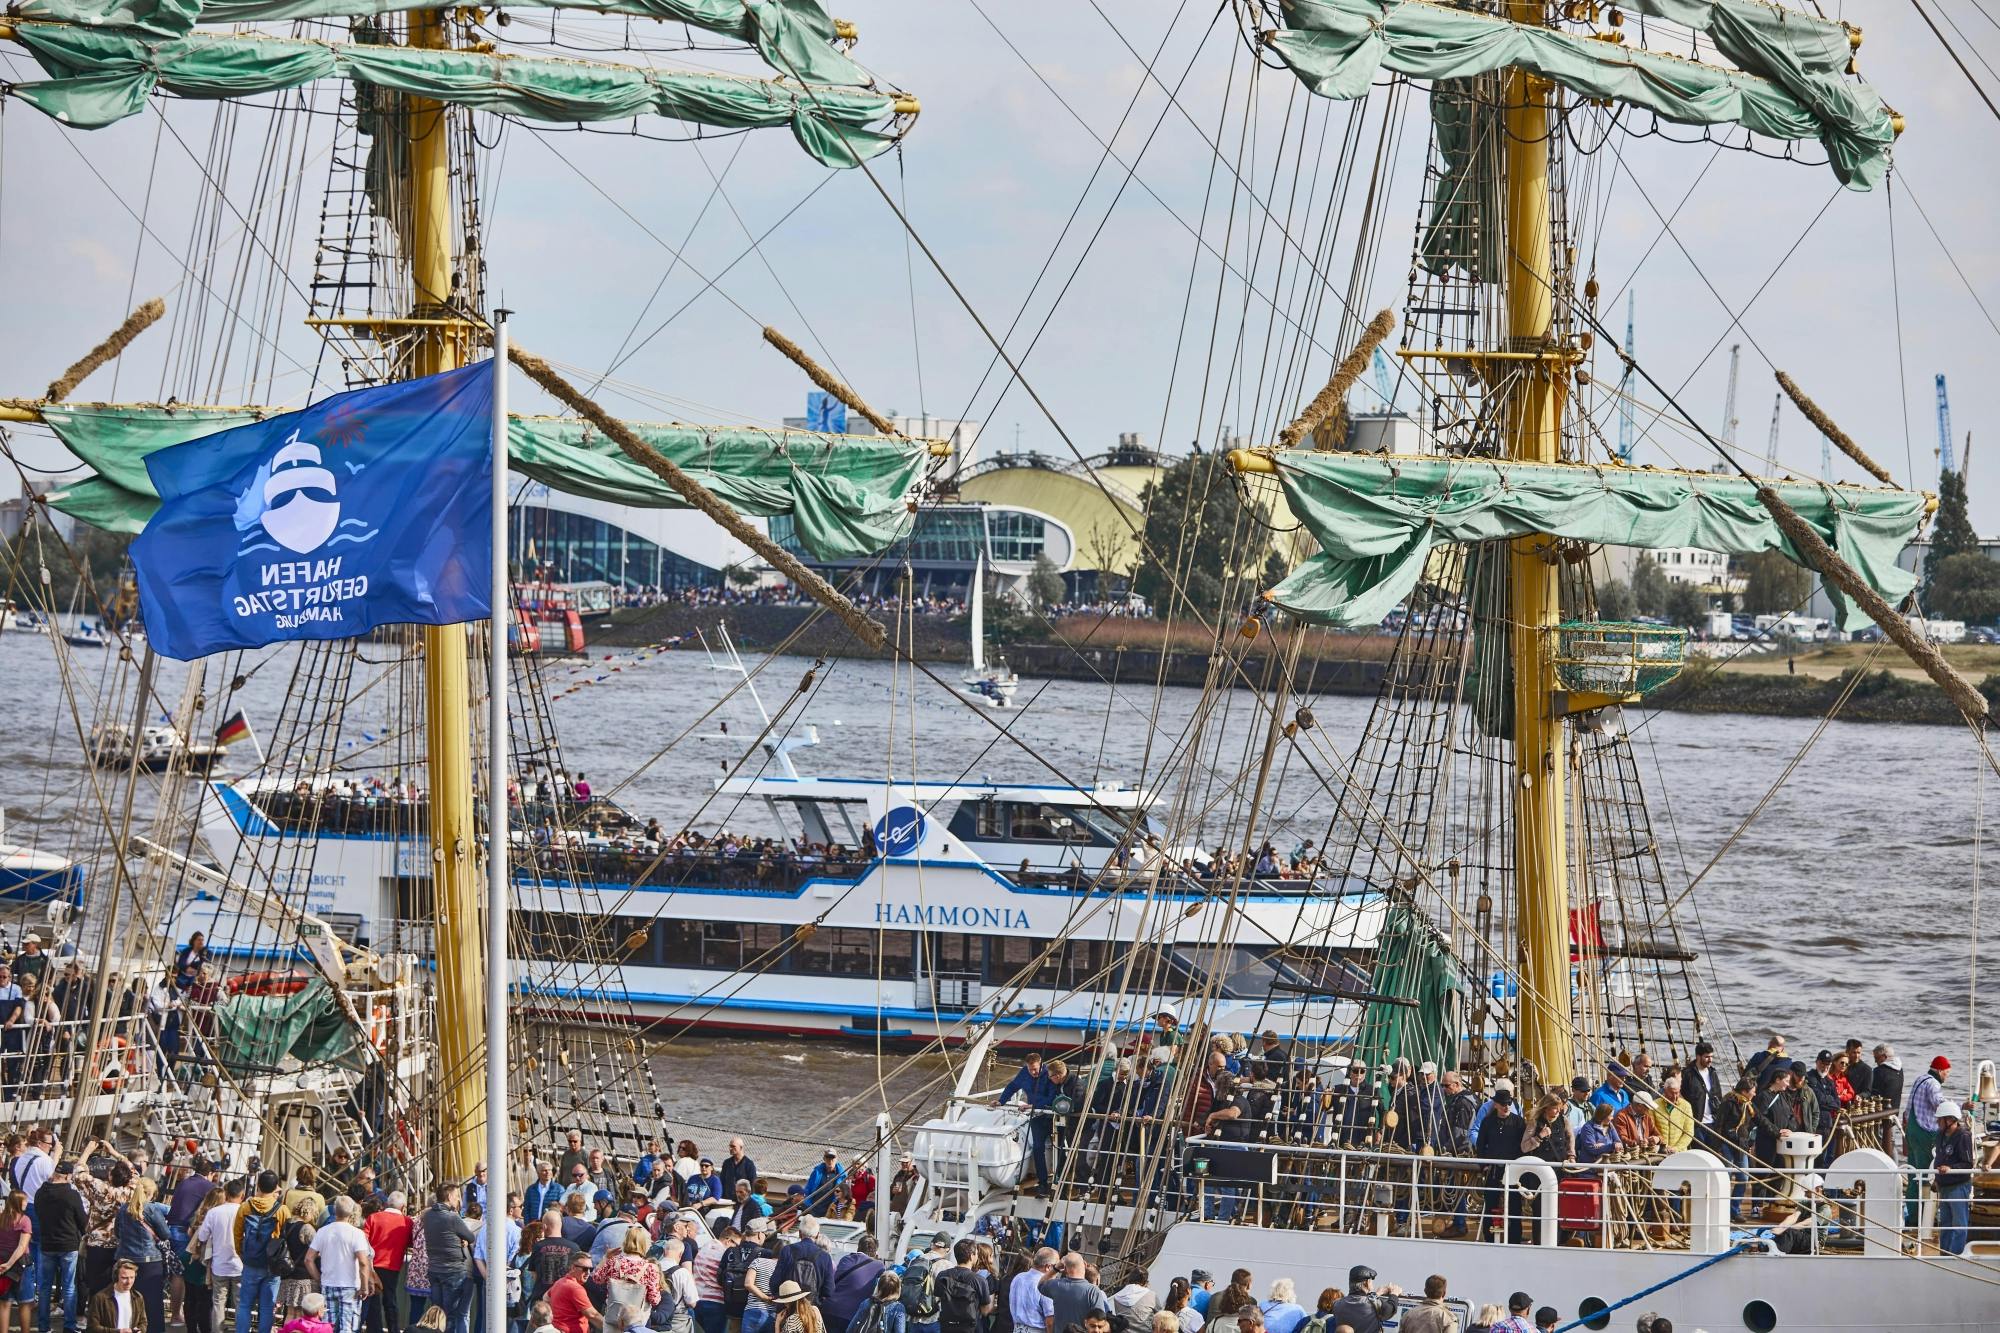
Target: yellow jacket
x,y
1675,1121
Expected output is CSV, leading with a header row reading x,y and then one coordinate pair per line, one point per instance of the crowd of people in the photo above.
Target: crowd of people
x,y
1264,1095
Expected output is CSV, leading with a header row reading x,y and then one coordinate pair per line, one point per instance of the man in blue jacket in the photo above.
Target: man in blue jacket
x,y
1036,1089
824,1183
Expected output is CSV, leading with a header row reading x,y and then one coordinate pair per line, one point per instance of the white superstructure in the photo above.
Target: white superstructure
x,y
925,902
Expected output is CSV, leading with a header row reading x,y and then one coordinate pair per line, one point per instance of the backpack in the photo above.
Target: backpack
x,y
959,1298
735,1268
871,1320
662,1315
286,1250
805,1272
919,1292
259,1230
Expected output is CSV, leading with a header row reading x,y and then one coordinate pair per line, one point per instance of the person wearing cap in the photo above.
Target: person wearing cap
x,y
1636,1124
31,961
62,1218
1166,1026
824,1183
903,1184
1920,1122
1613,1092
1355,1108
1516,1320
1499,1142
1577,1108
1362,1308
1952,1167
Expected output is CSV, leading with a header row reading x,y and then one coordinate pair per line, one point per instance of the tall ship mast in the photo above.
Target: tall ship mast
x,y
396,996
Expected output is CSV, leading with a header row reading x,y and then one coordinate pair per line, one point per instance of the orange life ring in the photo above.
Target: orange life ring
x,y
119,1066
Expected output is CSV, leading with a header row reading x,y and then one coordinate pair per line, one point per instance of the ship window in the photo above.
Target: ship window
x,y
1047,823
1759,1317
677,943
990,820
721,946
1008,955
838,952
896,949
954,955
1594,1312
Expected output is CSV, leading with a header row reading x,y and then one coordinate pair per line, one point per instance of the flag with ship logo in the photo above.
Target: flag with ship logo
x,y
235,728
370,508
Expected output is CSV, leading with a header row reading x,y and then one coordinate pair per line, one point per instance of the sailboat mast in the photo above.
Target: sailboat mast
x,y
461,1013
1534,427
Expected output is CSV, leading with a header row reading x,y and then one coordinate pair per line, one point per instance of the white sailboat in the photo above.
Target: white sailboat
x,y
993,684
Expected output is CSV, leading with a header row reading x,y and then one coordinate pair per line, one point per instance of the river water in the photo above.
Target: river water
x,y
1847,909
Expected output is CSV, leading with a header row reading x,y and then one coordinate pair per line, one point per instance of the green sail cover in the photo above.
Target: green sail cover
x,y
1786,87
254,1033
1377,519
795,37
1411,963
103,75
849,495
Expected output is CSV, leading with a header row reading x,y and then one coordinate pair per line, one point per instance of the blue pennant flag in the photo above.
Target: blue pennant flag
x,y
370,508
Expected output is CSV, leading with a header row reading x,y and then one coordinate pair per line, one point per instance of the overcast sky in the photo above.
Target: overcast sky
x,y
581,225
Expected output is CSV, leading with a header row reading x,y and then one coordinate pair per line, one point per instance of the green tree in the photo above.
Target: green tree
x,y
1194,517
1649,587
1615,601
1045,584
1686,605
1966,587
1952,534
83,573
1772,584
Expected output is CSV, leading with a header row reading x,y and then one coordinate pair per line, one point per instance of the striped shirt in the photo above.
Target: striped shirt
x,y
1924,1099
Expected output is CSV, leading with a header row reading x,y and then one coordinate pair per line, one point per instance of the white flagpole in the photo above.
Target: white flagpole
x,y
499,857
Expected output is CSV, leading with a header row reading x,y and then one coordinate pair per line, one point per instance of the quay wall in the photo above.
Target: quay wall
x,y
1135,653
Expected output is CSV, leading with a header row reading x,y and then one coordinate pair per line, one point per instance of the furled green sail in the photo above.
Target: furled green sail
x,y
1377,518
795,37
100,76
1412,965
848,494
1789,83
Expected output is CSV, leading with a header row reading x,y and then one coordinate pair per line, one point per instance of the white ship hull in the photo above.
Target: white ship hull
x,y
1862,1293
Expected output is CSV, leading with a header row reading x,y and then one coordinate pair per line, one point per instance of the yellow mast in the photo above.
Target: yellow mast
x,y
461,1013
1534,426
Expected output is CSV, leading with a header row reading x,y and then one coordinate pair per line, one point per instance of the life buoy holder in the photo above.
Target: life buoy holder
x,y
116,1057
378,1029
267,983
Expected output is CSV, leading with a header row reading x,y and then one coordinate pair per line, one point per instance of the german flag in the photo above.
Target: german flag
x,y
236,728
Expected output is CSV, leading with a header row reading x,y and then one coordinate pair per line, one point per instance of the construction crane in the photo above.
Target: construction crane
x,y
1729,421
1771,446
1385,381
1625,440
1944,428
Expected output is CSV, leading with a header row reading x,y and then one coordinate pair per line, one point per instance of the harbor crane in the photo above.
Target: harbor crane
x,y
1944,428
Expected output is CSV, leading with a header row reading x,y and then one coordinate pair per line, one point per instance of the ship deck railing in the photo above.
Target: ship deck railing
x,y
43,1063
1669,1204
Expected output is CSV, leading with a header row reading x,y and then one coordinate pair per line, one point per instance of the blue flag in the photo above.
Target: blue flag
x,y
825,412
370,508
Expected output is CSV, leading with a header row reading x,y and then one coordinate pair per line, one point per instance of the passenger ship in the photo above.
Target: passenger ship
x,y
929,903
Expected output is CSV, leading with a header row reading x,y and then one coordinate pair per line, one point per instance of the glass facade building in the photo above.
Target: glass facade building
x,y
576,548
948,539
